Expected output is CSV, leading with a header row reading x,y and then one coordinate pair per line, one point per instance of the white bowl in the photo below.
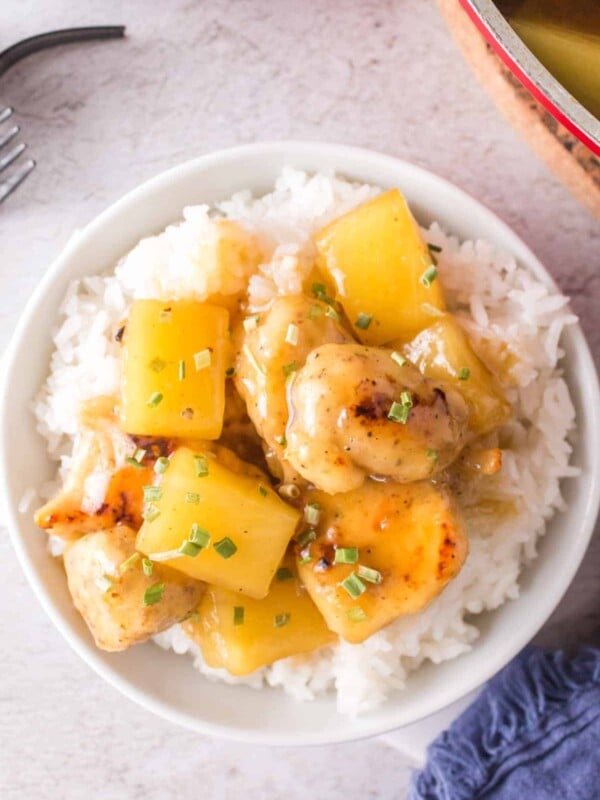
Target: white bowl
x,y
167,684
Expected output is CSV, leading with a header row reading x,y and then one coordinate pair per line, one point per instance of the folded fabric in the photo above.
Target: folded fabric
x,y
532,734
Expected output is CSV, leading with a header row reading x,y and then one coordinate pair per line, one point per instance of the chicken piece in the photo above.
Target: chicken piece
x,y
269,353
100,489
379,552
109,593
340,428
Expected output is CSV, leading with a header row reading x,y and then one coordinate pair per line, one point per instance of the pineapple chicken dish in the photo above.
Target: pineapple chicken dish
x,y
278,480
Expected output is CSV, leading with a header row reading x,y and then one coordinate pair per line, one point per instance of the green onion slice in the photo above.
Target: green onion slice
x,y
432,454
263,491
133,462
353,585
181,370
464,373
129,562
238,615
190,549
104,583
314,312
305,559
201,465
356,614
147,567
332,314
312,513
281,440
154,399
161,465
289,368
306,537
151,512
398,358
369,575
429,276
431,310
157,365
399,413
225,547
291,336
346,555
250,323
154,594
363,321
406,399
192,497
202,359
199,536
320,292
279,620
152,493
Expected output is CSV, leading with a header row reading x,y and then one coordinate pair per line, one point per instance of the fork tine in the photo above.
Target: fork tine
x,y
5,113
12,155
16,178
9,135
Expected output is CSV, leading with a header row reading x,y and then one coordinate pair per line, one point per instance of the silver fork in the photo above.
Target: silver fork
x,y
9,153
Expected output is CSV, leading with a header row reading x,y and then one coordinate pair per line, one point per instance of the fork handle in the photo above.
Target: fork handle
x,y
26,47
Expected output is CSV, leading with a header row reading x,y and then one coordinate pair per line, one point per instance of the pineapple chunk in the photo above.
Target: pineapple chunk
x,y
376,257
408,535
248,523
175,355
443,352
241,634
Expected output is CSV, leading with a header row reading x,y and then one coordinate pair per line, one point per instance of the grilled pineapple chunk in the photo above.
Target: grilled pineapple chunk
x,y
248,524
380,551
443,352
377,260
174,359
242,634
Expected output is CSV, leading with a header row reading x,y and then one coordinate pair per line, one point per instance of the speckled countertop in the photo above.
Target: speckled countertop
x,y
100,118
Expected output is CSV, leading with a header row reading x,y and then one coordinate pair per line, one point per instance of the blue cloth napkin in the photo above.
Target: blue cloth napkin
x,y
532,734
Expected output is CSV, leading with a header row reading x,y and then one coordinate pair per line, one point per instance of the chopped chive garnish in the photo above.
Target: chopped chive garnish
x,y
201,465
312,513
406,399
432,454
279,620
368,574
190,549
434,248
353,585
291,337
363,321
332,313
399,413
129,562
229,372
428,277
181,370
157,365
162,464
225,547
307,536
151,512
320,292
238,615
281,440
152,493
148,567
289,368
202,359
192,497
154,399
154,594
431,310
314,312
464,373
398,358
284,574
199,536
104,583
165,315
346,555
250,323
356,614
164,555
138,455
305,559
263,491
134,462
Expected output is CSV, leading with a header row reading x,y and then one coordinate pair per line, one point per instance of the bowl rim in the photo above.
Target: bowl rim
x,y
295,150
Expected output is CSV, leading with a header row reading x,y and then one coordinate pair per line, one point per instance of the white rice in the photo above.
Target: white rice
x,y
499,303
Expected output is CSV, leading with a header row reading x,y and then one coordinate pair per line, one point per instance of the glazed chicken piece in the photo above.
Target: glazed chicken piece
x,y
108,591
269,354
99,468
340,428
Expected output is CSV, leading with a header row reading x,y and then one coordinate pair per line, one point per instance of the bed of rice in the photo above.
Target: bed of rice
x,y
499,303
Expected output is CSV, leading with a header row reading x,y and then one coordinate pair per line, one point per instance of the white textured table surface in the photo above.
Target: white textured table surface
x,y
99,119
